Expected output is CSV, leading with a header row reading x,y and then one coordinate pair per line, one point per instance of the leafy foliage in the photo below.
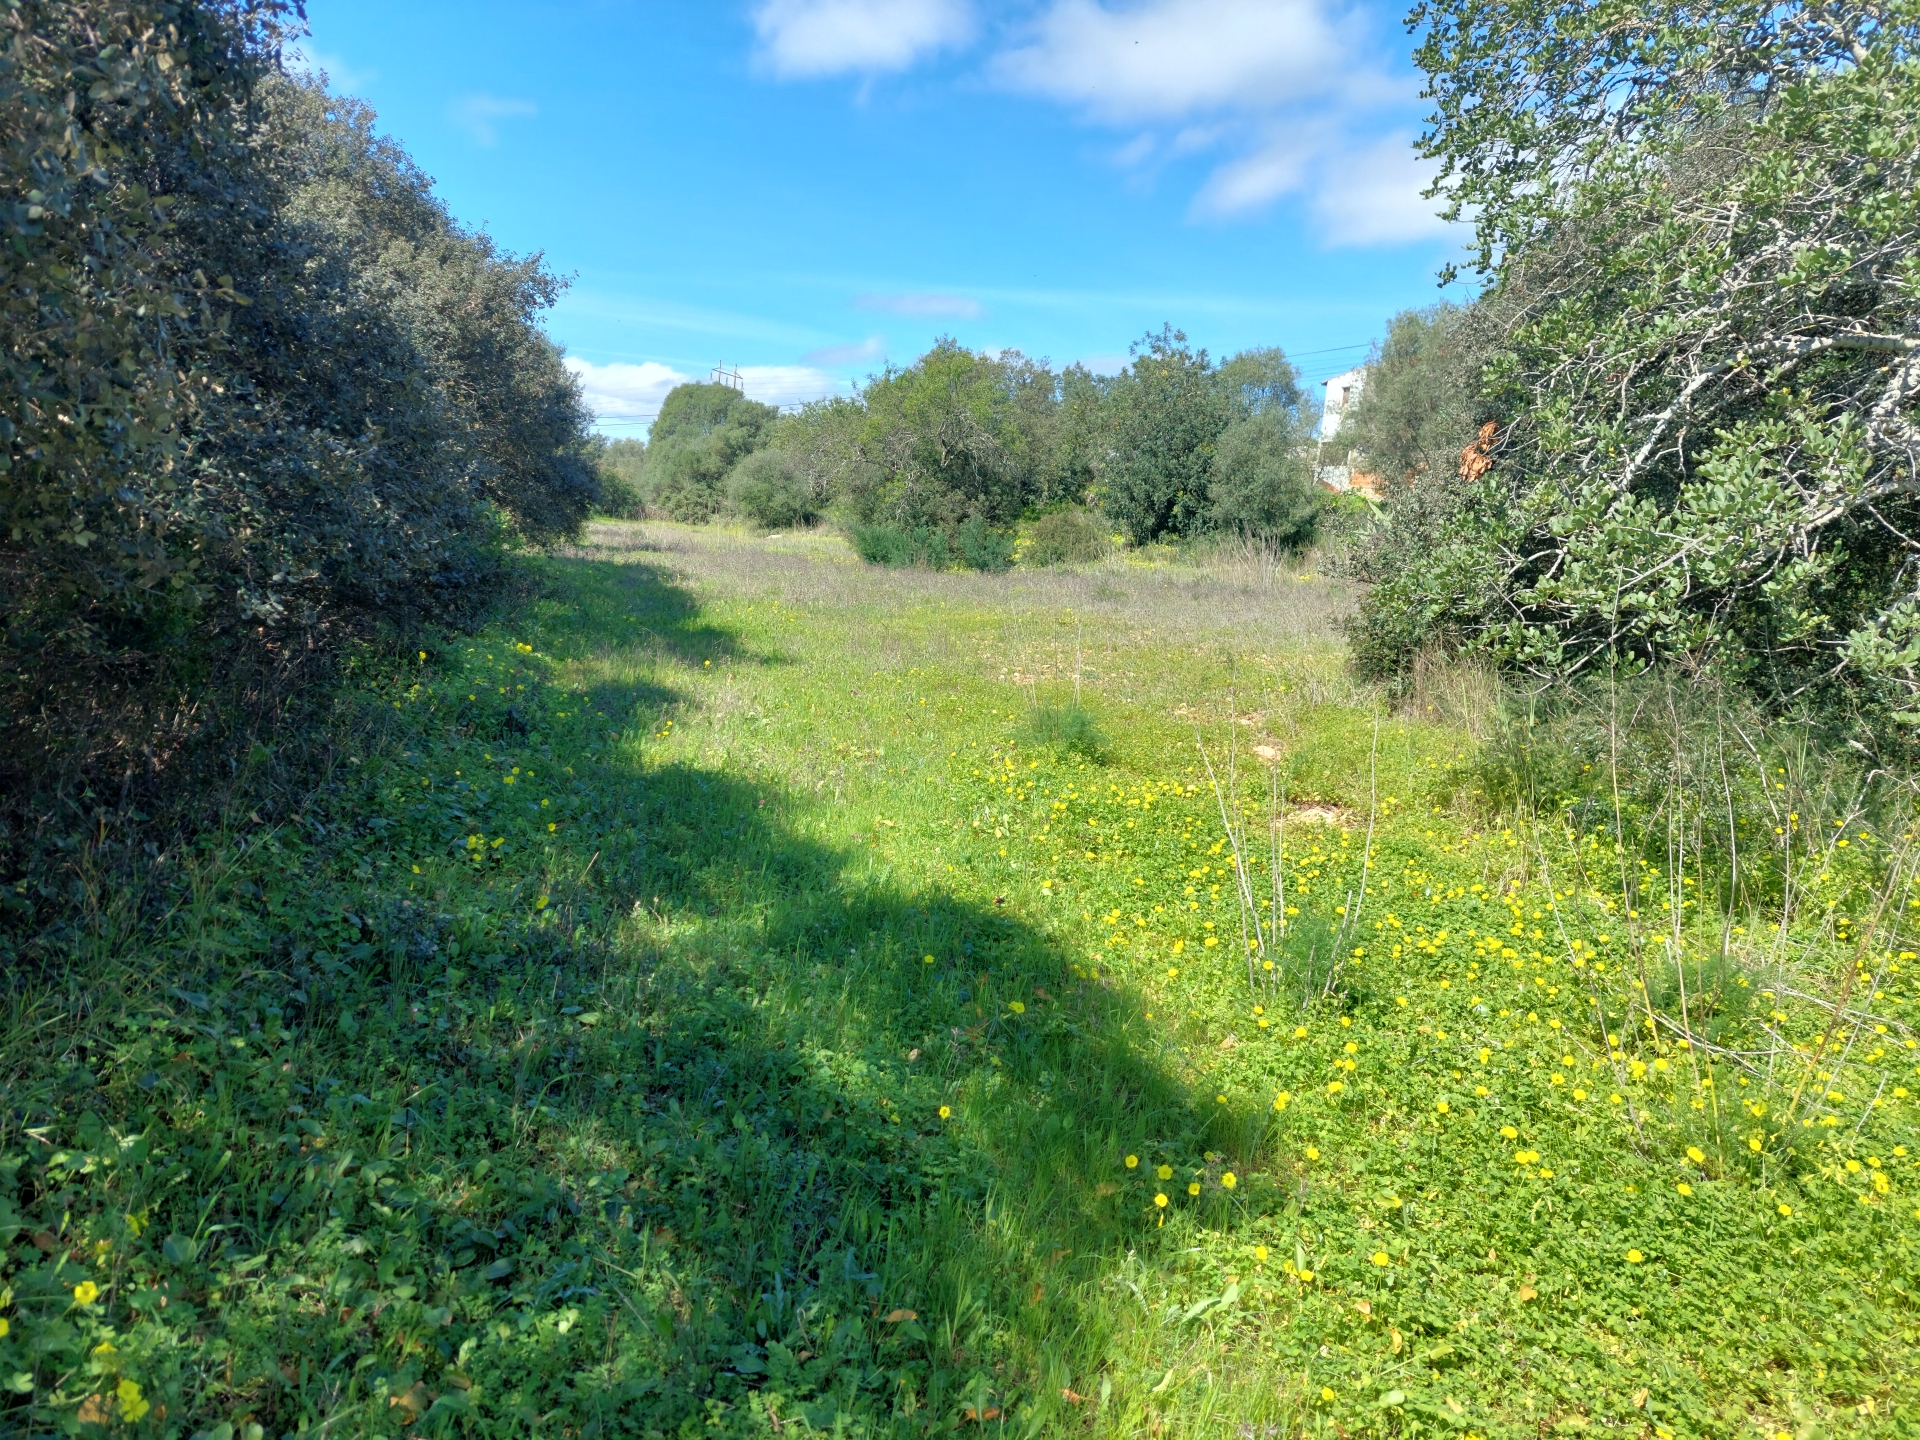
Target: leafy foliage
x,y
622,470
1705,242
702,432
1261,482
950,437
970,545
1068,536
958,438
260,388
1418,408
1198,448
769,490
1167,418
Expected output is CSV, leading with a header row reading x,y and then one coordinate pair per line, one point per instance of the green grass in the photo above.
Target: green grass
x,y
698,1007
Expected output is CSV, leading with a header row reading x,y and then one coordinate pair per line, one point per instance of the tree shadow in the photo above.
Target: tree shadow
x,y
633,603
692,1124
831,1147
788,1054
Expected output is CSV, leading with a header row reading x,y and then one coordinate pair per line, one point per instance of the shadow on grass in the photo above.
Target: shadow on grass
x,y
684,1128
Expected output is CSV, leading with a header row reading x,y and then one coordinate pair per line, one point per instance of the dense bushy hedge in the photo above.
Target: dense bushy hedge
x,y
260,390
1067,536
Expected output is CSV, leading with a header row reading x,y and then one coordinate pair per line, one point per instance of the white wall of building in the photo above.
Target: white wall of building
x,y
1342,391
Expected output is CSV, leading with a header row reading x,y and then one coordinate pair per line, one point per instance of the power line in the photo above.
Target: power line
x,y
1332,349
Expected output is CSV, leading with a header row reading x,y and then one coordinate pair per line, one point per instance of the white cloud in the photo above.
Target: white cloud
x,y
1170,58
871,348
805,38
788,384
923,306
341,78
1290,96
625,396
624,392
1358,194
1372,196
480,115
1254,181
1106,364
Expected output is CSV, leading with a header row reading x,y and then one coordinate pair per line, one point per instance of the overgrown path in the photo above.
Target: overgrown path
x,y
703,1004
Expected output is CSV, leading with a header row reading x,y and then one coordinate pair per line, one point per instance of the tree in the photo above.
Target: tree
x,y
1167,414
1261,476
1262,382
822,441
768,489
1261,480
1416,411
1196,448
1080,441
701,432
262,391
622,470
1700,235
946,441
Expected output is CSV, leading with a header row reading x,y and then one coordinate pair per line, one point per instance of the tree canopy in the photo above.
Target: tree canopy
x,y
1698,232
260,388
703,430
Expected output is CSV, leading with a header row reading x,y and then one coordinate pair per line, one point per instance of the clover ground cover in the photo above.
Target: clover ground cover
x,y
699,1004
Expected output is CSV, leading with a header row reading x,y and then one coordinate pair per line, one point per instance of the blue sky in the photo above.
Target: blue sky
x,y
808,189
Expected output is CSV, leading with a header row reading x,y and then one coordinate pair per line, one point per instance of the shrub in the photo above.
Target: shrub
x,y
1418,409
982,548
1261,482
684,478
1197,447
622,467
1066,537
1703,387
1168,412
769,490
261,393
971,545
1067,728
898,546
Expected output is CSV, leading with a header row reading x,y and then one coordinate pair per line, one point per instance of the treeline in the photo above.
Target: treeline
x,y
262,393
941,461
1678,426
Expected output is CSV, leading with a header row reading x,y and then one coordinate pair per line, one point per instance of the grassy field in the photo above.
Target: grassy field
x,y
741,992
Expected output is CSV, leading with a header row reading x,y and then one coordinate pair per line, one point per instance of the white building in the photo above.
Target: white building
x,y
1342,392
